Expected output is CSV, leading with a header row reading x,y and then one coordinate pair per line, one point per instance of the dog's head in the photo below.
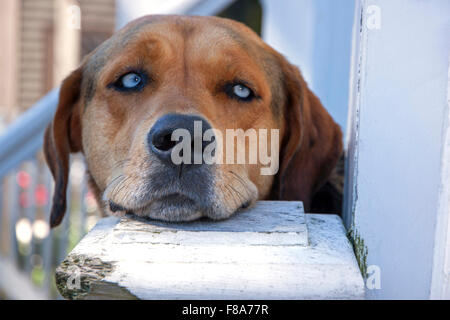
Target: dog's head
x,y
123,105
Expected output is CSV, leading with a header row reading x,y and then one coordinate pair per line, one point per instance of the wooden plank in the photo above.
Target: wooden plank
x,y
267,252
266,224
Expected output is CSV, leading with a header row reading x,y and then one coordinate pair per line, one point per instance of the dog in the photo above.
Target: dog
x,y
163,72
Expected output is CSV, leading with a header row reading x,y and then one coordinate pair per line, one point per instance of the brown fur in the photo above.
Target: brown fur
x,y
188,59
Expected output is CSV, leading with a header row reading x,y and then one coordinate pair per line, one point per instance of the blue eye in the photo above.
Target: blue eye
x,y
130,80
239,91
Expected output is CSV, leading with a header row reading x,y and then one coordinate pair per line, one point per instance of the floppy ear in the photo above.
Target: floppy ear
x,y
312,143
62,137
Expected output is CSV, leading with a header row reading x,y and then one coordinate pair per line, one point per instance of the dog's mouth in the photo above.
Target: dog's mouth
x,y
171,207
167,197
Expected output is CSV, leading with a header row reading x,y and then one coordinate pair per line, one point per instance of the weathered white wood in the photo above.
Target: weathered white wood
x,y
262,253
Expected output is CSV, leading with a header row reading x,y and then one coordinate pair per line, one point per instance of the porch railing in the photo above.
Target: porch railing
x,y
29,250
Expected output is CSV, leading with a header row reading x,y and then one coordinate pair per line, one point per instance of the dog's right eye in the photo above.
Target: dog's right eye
x,y
132,81
240,91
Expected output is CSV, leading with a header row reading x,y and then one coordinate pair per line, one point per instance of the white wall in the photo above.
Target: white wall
x,y
316,36
399,107
129,10
440,284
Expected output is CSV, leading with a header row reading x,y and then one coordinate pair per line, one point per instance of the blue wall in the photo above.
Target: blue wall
x,y
316,36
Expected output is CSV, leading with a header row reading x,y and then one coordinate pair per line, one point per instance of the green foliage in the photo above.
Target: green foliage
x,y
38,275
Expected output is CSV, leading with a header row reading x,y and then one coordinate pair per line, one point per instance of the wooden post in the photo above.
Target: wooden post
x,y
272,251
67,35
9,20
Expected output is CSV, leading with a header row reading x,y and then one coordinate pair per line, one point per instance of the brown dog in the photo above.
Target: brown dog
x,y
160,73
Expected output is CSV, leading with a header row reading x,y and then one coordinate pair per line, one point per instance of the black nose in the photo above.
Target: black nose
x,y
160,136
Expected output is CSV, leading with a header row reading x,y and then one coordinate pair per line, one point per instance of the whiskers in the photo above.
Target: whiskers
x,y
126,189
240,192
118,167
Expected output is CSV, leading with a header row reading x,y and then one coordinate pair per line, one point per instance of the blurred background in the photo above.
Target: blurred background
x,y
43,40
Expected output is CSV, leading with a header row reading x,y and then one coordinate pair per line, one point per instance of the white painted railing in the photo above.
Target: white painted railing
x,y
27,133
29,251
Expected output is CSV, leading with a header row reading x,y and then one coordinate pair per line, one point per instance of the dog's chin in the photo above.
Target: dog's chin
x,y
176,208
170,208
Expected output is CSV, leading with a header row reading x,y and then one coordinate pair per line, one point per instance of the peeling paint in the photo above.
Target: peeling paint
x,y
90,270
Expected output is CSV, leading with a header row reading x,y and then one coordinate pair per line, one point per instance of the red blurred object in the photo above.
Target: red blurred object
x,y
23,179
41,195
24,200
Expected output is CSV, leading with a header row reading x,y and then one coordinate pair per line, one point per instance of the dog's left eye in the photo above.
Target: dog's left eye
x,y
132,81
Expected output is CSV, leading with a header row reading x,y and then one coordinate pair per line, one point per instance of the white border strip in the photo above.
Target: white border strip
x,y
440,283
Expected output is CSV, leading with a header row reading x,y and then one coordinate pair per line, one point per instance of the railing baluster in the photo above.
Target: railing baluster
x,y
83,211
4,241
3,218
63,234
13,210
47,252
30,211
